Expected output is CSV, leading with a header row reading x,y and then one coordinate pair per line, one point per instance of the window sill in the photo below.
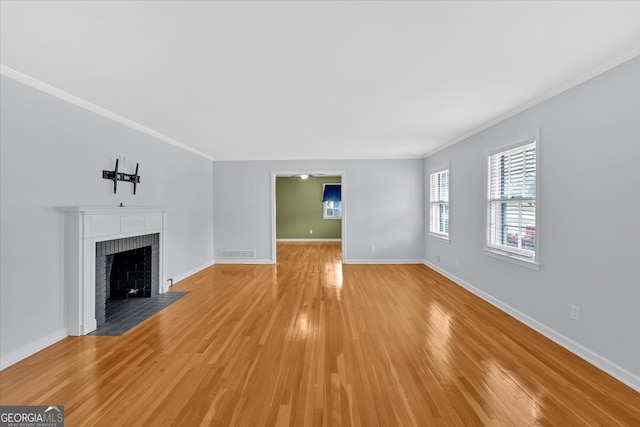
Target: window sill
x,y
512,258
440,237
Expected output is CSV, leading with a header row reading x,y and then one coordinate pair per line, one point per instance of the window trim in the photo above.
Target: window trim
x,y
513,256
444,237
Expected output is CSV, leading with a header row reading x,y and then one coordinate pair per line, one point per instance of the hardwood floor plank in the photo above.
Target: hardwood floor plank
x,y
312,342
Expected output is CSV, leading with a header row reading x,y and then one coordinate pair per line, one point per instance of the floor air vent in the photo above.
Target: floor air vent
x,y
235,254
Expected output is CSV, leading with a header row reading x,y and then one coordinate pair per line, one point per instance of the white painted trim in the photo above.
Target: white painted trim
x,y
511,257
274,175
436,169
343,179
79,102
308,240
439,237
32,348
518,141
600,362
243,261
383,261
191,272
540,99
84,227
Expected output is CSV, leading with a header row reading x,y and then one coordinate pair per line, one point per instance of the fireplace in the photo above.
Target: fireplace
x,y
92,236
125,268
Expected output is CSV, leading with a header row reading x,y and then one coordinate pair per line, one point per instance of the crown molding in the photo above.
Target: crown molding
x,y
606,66
79,102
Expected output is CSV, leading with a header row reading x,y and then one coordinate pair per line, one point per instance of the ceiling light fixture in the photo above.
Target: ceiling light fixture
x,y
304,176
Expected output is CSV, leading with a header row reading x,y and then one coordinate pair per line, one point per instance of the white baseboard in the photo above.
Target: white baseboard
x,y
32,348
308,240
243,261
383,261
191,272
597,360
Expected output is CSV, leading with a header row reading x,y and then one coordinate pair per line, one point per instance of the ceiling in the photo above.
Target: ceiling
x,y
315,80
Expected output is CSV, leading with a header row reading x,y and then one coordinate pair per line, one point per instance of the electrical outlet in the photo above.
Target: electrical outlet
x,y
438,259
575,312
373,248
310,231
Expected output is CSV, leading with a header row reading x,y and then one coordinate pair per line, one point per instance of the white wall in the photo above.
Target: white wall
x,y
589,227
52,154
383,206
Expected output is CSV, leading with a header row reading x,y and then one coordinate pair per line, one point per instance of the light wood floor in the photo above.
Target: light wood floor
x,y
311,342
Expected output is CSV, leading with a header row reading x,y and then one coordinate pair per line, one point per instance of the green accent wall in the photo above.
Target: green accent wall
x,y
299,209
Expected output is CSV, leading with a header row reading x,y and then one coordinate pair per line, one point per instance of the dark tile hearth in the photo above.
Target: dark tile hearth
x,y
124,314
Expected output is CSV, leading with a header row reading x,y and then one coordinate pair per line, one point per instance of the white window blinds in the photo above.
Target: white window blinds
x,y
512,201
439,200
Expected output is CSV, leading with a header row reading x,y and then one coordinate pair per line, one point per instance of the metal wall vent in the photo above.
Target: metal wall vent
x,y
234,253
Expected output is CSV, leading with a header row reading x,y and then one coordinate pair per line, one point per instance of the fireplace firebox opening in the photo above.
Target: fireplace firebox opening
x,y
125,268
130,274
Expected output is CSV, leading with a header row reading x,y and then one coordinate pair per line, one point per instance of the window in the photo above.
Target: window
x,y
332,201
332,210
439,199
511,207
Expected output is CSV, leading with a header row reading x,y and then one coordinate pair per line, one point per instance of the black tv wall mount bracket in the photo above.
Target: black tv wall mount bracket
x,y
116,176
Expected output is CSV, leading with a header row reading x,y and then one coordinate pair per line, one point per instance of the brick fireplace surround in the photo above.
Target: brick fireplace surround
x,y
125,268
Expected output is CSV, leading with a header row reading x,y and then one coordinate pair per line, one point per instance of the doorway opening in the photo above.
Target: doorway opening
x,y
308,207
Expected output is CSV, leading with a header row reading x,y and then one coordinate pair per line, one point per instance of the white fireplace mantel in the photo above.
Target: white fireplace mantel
x,y
84,227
